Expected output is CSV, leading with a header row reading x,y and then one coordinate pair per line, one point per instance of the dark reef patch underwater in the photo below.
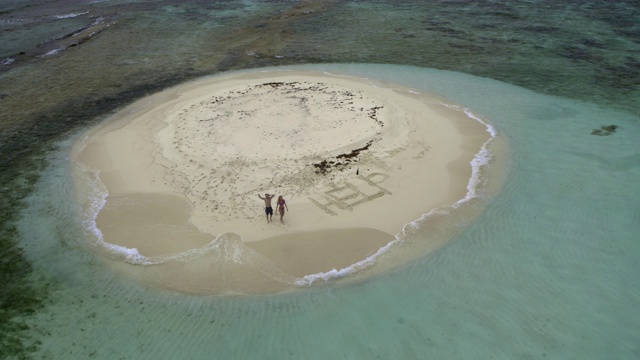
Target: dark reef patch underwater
x,y
604,130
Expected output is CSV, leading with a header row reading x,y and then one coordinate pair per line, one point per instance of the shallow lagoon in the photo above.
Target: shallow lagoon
x,y
550,269
549,265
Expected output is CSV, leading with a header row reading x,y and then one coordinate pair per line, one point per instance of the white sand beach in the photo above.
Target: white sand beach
x,y
347,154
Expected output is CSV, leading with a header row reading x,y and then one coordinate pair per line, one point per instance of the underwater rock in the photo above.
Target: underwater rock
x,y
605,130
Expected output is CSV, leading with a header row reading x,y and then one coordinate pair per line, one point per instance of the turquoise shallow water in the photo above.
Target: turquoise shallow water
x,y
549,270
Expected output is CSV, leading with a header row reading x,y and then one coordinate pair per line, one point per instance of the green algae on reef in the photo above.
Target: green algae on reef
x,y
22,293
24,290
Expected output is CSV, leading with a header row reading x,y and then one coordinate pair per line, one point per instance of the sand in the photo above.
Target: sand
x,y
348,154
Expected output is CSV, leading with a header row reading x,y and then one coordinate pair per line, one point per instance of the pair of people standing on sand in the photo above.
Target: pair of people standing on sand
x,y
282,205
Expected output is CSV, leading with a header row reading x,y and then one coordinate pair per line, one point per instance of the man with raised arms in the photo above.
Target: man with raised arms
x,y
267,203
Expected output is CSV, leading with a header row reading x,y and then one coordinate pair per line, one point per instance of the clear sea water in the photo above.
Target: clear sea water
x,y
551,269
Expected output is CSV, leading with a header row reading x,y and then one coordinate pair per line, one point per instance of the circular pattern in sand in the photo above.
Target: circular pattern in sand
x,y
274,121
300,137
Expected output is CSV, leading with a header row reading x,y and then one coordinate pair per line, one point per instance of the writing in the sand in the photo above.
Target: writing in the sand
x,y
351,194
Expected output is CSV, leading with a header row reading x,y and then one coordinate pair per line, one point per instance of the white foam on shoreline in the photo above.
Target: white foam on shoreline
x,y
481,159
97,199
474,187
353,269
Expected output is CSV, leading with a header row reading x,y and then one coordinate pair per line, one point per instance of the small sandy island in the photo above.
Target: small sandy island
x,y
355,159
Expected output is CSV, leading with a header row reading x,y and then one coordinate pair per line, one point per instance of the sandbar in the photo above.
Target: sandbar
x,y
355,159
